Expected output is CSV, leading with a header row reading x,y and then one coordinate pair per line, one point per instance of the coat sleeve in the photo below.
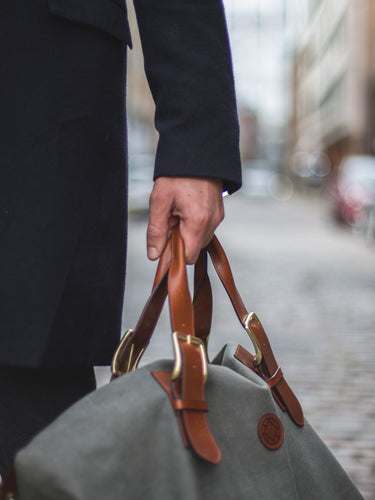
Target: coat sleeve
x,y
189,70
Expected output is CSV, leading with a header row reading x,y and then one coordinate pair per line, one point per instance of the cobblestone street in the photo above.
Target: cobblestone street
x,y
313,286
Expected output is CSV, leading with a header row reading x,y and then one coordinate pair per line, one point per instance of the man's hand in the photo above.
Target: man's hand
x,y
195,204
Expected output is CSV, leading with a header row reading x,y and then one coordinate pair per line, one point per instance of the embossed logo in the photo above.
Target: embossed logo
x,y
271,431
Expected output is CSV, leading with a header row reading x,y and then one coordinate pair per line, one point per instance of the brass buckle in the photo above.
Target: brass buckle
x,y
248,321
132,363
176,336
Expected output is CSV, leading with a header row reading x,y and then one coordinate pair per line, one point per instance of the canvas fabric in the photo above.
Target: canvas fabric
x,y
123,441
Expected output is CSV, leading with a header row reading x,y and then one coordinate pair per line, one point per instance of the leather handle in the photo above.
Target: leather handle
x,y
190,370
202,302
223,270
134,343
180,304
182,321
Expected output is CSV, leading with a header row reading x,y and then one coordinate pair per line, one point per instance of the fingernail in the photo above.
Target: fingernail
x,y
153,254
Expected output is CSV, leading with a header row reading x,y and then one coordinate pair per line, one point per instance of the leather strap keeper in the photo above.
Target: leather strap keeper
x,y
275,379
186,404
192,421
281,392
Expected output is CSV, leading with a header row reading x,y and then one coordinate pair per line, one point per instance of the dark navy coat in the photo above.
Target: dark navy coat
x,y
63,178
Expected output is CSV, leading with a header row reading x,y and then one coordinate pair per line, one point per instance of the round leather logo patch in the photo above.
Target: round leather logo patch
x,y
271,431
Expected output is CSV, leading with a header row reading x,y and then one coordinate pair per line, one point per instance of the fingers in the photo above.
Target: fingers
x,y
160,223
196,204
197,229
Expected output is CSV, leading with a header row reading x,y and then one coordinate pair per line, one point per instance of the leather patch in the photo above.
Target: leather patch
x,y
271,431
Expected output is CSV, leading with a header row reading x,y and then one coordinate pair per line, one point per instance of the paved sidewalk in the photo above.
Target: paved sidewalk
x,y
313,286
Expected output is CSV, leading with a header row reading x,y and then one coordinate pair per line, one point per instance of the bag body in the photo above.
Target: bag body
x,y
231,429
123,441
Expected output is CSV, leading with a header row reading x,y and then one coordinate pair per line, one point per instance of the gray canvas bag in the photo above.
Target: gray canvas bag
x,y
182,429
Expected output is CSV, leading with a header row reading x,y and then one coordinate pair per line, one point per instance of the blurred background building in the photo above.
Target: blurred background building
x,y
262,34
305,82
263,37
333,86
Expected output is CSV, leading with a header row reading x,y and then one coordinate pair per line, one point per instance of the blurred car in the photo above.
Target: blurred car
x,y
353,190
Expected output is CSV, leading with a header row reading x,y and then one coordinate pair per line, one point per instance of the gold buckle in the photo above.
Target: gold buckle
x,y
176,336
132,363
248,321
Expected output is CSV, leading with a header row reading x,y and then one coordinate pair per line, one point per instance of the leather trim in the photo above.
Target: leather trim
x,y
186,404
281,392
180,304
202,301
164,380
108,15
275,379
271,431
191,415
192,385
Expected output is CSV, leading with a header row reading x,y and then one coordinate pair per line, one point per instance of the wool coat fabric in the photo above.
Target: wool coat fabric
x,y
63,174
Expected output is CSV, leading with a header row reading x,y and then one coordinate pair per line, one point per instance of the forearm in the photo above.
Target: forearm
x,y
188,65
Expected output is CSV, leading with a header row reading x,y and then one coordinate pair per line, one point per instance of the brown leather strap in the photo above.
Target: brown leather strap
x,y
187,404
281,391
180,305
190,381
275,379
163,264
164,379
191,378
195,422
134,343
222,267
202,299
202,290
191,417
268,367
